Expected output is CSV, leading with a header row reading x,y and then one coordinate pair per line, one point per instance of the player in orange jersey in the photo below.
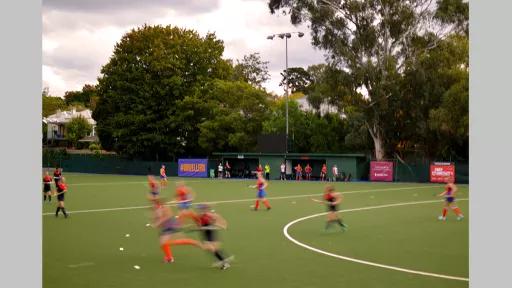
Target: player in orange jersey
x,y
449,196
163,177
261,184
170,230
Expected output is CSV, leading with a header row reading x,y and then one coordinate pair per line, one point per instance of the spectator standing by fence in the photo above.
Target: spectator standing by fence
x,y
283,171
334,173
267,171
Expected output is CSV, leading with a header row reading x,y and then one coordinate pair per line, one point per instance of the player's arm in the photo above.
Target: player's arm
x,y
443,193
265,184
339,198
220,221
56,194
454,188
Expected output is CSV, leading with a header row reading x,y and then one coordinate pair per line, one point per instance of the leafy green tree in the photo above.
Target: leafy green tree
x,y
51,104
76,129
369,43
238,111
251,69
85,97
296,78
145,86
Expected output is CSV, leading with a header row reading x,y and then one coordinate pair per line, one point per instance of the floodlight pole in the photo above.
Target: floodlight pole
x,y
286,92
286,36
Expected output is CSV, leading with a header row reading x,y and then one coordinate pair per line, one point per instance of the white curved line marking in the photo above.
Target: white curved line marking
x,y
285,231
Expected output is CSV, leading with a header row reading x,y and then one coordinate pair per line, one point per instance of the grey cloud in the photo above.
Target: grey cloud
x,y
112,6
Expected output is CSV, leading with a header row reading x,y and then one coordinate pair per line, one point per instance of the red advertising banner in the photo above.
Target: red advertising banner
x,y
441,172
381,171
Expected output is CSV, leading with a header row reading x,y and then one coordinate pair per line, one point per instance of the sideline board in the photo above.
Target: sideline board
x,y
440,172
381,171
192,167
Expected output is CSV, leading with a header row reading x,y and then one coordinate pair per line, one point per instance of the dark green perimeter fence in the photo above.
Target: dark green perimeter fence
x,y
242,165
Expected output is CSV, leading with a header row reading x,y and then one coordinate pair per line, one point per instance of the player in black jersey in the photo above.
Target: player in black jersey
x,y
332,199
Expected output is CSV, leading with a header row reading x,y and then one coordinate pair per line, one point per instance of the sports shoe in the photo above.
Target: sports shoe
x,y
169,260
225,266
441,218
460,217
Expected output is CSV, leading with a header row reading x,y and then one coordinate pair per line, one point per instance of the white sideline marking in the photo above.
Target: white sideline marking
x,y
245,200
285,231
81,264
169,180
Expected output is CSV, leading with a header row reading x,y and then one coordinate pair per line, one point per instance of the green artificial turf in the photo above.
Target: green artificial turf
x,y
83,250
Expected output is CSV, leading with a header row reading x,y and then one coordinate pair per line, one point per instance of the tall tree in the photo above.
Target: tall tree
x,y
51,104
296,78
251,69
238,110
369,42
152,70
87,97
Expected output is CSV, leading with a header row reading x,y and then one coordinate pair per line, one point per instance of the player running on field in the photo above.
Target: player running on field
x,y
61,190
57,175
184,196
261,184
47,187
332,199
170,230
209,222
449,197
163,177
154,189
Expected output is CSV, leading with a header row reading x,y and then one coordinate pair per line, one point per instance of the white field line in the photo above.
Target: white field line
x,y
285,231
247,200
207,180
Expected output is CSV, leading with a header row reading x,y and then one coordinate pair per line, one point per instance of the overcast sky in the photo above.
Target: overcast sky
x,y
79,36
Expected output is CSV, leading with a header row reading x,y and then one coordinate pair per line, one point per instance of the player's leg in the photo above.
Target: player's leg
x,y
446,205
165,245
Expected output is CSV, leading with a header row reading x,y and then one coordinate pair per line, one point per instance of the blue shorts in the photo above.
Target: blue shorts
x,y
170,226
261,193
163,177
154,194
184,205
450,199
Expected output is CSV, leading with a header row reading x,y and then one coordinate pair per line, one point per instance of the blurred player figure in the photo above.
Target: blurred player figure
x,y
332,199
163,177
183,198
449,201
308,171
259,169
283,171
61,190
298,172
47,187
154,189
323,172
209,222
261,184
170,229
57,175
